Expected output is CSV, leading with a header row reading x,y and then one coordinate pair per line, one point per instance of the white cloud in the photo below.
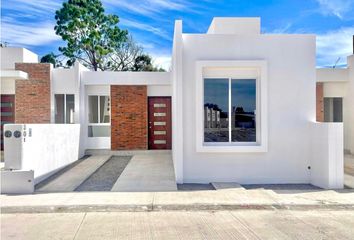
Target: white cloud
x,y
337,8
163,61
29,22
31,6
151,7
28,35
333,45
283,29
145,27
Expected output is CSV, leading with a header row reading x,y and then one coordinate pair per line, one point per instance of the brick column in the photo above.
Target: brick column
x,y
32,100
129,117
319,102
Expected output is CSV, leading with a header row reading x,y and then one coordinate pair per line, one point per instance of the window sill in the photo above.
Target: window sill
x,y
232,148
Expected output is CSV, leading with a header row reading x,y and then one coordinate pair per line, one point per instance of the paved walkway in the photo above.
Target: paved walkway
x,y
71,179
223,199
147,173
241,225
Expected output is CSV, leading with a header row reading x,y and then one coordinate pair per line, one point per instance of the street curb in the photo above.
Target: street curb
x,y
171,207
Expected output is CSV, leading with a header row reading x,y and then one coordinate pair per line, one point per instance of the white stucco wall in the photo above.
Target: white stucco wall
x,y
332,74
327,155
335,89
159,90
126,78
349,109
234,25
291,106
12,55
7,86
43,148
177,101
8,74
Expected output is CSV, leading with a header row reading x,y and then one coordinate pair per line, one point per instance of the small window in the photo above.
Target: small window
x,y
229,110
99,116
104,109
99,131
333,109
64,108
99,109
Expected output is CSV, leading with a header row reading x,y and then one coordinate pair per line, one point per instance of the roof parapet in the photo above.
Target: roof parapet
x,y
235,25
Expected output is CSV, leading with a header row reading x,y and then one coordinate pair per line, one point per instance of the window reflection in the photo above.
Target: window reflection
x,y
243,113
104,109
218,112
216,120
93,109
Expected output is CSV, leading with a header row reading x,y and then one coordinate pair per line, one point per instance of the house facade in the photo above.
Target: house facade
x,y
335,98
237,105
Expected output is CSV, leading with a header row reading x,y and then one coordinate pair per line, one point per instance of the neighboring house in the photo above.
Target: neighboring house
x,y
237,105
335,98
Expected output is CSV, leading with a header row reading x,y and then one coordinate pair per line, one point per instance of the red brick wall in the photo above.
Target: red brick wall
x,y
129,117
32,101
319,102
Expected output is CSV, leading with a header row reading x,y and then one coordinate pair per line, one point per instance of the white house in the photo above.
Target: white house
x,y
260,87
336,88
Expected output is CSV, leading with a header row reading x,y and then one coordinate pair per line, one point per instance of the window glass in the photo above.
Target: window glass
x,y
99,131
93,109
70,108
104,109
333,109
216,110
243,110
59,108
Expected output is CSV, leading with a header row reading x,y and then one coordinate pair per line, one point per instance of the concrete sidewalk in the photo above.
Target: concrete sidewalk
x,y
225,199
238,225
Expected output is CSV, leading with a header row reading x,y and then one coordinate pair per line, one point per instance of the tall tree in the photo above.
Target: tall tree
x,y
90,34
144,63
51,58
124,55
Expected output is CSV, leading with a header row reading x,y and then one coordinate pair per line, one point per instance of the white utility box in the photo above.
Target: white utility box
x,y
14,137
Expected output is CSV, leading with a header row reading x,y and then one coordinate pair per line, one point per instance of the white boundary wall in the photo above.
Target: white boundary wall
x,y
44,148
327,155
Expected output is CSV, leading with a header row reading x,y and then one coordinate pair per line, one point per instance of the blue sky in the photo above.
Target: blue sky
x,y
30,23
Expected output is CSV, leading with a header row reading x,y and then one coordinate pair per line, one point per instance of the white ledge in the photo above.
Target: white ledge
x,y
15,74
332,75
126,78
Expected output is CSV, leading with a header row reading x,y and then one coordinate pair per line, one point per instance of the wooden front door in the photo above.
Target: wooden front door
x,y
160,126
7,113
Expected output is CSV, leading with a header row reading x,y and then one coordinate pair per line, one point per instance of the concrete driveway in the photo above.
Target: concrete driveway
x,y
144,172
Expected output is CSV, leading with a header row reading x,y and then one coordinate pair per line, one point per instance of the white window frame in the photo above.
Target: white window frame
x,y
233,70
55,106
98,108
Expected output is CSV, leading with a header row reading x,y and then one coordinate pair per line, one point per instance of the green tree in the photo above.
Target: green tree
x,y
90,34
144,63
51,58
